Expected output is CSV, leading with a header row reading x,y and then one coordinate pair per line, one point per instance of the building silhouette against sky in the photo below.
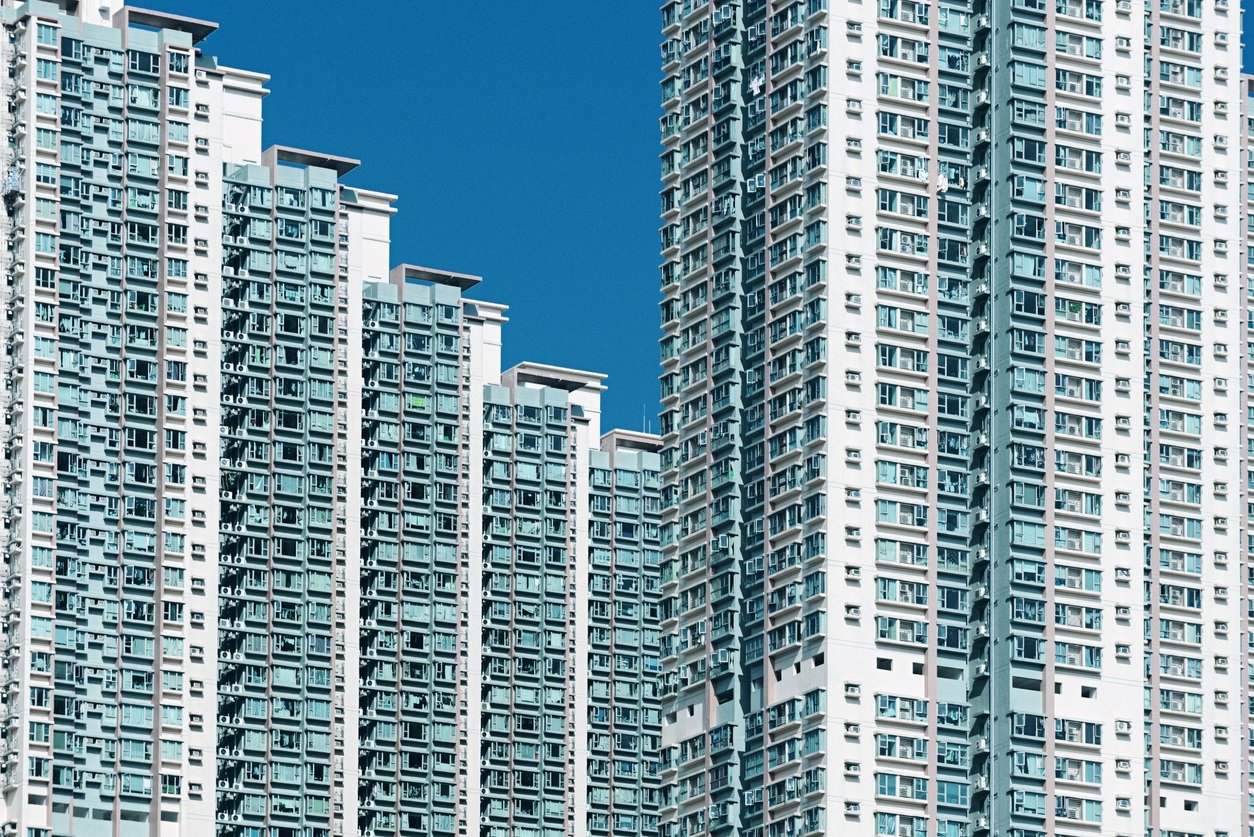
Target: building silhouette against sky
x,y
946,532
287,553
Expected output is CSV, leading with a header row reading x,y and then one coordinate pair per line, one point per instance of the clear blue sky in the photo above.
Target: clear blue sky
x,y
1247,32
521,137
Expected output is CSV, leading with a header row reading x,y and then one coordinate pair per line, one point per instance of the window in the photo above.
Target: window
x,y
1028,75
144,62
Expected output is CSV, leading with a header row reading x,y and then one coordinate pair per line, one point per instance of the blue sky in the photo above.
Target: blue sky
x,y
522,139
1247,31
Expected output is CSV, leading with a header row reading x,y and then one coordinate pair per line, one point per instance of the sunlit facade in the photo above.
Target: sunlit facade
x,y
953,386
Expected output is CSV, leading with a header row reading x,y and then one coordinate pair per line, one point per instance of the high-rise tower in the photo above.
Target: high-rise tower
x,y
953,388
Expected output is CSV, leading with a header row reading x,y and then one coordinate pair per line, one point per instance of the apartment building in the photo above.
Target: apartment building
x,y
953,386
510,558
288,553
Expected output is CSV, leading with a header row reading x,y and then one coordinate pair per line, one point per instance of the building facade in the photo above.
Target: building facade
x,y
287,552
953,387
623,625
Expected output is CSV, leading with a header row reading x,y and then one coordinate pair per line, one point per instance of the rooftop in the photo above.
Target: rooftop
x,y
198,29
286,154
411,272
557,377
619,439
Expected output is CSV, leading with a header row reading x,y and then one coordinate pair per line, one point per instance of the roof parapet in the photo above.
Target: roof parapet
x,y
276,154
557,377
198,29
619,439
403,273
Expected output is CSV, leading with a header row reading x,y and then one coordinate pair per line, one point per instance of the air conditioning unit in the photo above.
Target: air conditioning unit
x,y
1123,726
